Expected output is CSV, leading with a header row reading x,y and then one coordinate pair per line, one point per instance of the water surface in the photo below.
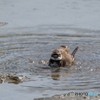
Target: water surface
x,y
28,38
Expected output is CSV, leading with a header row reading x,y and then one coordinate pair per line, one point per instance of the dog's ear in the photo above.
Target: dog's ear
x,y
66,48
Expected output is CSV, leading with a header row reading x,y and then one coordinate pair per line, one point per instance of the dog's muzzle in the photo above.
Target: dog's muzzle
x,y
56,57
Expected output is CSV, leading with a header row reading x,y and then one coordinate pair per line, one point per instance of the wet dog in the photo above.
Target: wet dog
x,y
61,57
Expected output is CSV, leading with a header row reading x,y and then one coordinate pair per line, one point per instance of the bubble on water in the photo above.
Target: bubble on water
x,y
32,61
91,69
43,62
62,96
75,68
80,67
78,62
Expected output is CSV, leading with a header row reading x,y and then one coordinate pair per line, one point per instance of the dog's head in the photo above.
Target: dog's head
x,y
57,56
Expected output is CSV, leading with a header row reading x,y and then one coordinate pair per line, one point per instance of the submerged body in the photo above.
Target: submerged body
x,y
61,57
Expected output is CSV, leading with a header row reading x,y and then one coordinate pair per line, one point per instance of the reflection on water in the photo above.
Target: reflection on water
x,y
28,53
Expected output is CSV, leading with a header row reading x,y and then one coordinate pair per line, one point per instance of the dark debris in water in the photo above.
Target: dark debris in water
x,y
16,79
3,23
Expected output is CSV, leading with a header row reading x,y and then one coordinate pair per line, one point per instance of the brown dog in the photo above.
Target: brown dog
x,y
61,57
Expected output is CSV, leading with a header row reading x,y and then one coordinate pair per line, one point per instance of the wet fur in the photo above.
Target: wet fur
x,y
67,59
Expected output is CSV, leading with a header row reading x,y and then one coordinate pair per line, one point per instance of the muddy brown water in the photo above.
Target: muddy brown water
x,y
25,47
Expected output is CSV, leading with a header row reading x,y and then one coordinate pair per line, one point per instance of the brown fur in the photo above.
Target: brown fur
x,y
67,59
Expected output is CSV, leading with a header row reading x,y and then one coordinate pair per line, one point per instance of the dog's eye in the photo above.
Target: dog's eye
x,y
59,55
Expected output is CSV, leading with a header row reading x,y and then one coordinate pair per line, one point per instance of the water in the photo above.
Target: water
x,y
34,29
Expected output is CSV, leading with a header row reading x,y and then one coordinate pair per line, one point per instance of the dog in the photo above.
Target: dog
x,y
61,57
